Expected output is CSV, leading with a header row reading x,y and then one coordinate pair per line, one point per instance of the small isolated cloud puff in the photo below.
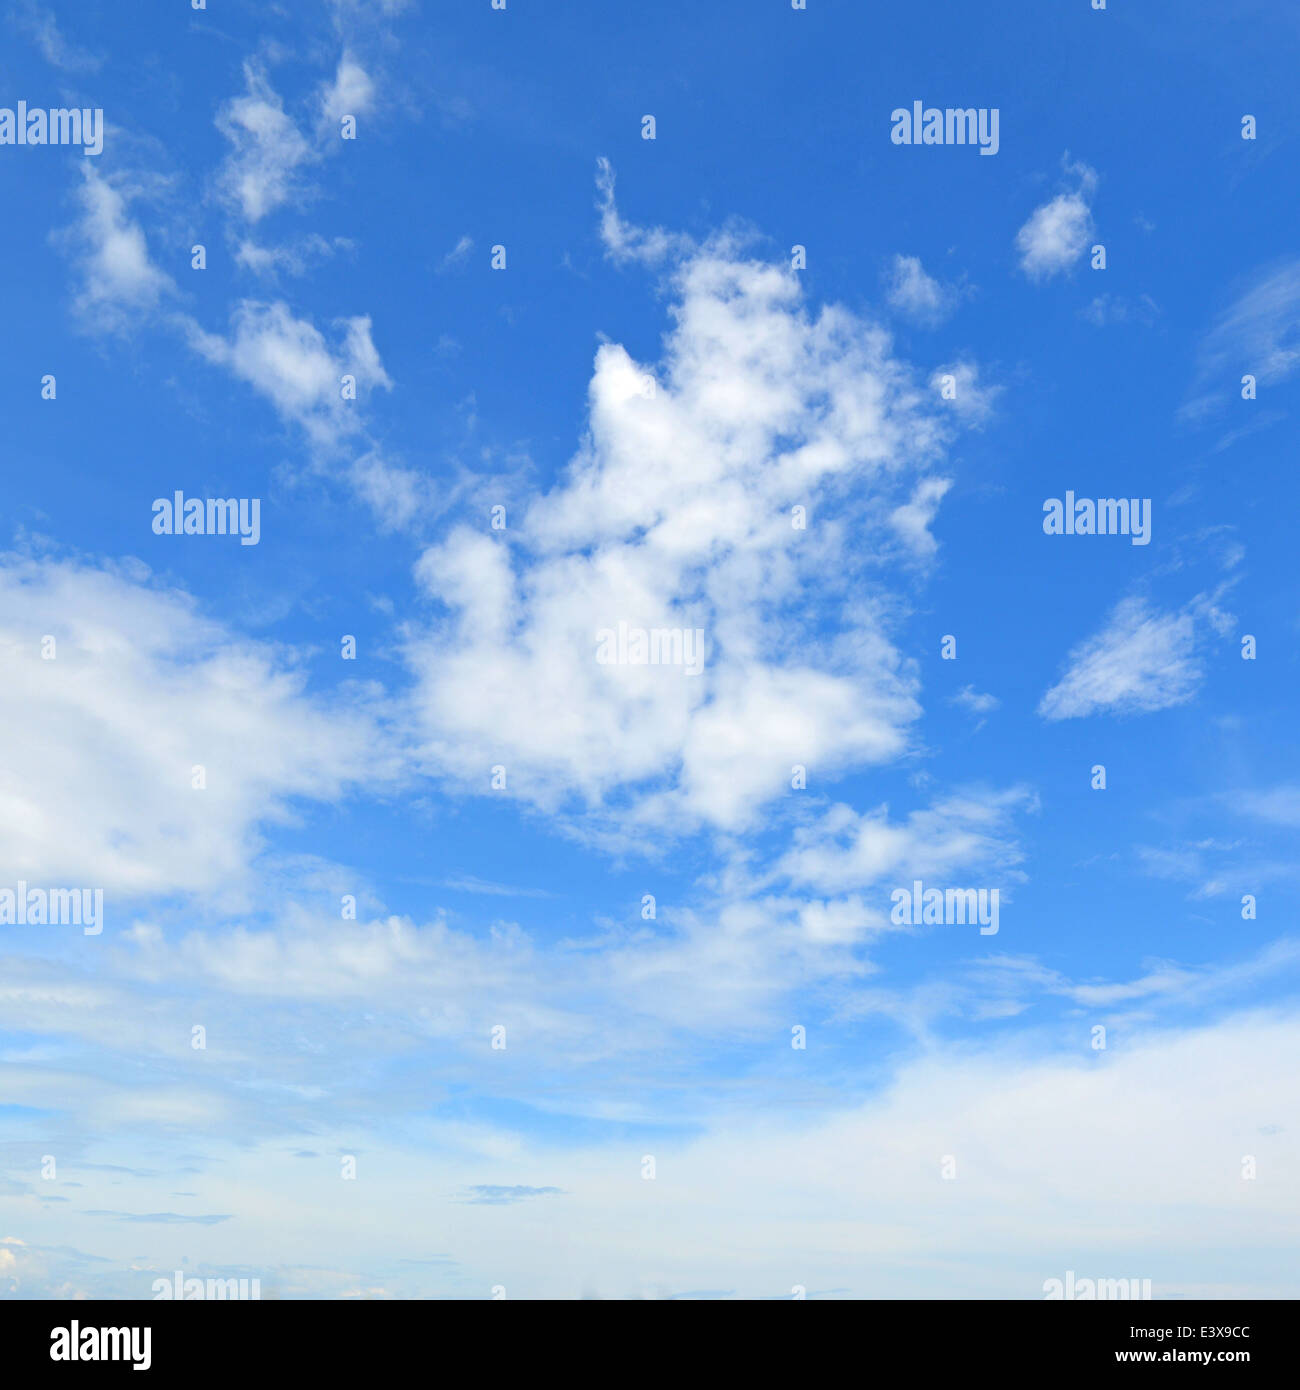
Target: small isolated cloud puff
x,y
1106,309
1141,661
291,362
458,254
916,295
969,698
958,386
1059,231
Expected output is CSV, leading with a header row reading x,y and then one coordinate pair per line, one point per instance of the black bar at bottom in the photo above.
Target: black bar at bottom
x,y
341,1338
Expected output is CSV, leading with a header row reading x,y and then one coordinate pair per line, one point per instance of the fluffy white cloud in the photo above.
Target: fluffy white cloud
x,y
677,513
97,789
1059,231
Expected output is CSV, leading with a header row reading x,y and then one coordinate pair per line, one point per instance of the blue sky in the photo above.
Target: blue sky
x,y
649,388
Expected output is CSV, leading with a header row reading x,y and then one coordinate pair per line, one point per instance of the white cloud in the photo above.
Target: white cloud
x,y
1168,984
262,171
1174,1110
290,362
845,850
293,258
969,698
1106,309
917,295
677,513
111,256
1142,660
913,519
351,93
1257,335
625,241
1059,231
972,402
996,987
397,495
458,254
285,358
142,688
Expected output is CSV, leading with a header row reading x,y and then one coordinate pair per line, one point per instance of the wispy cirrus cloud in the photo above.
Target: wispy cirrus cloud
x,y
1257,335
1142,660
55,47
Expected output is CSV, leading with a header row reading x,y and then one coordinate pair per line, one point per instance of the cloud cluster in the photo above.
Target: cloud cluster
x,y
761,483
